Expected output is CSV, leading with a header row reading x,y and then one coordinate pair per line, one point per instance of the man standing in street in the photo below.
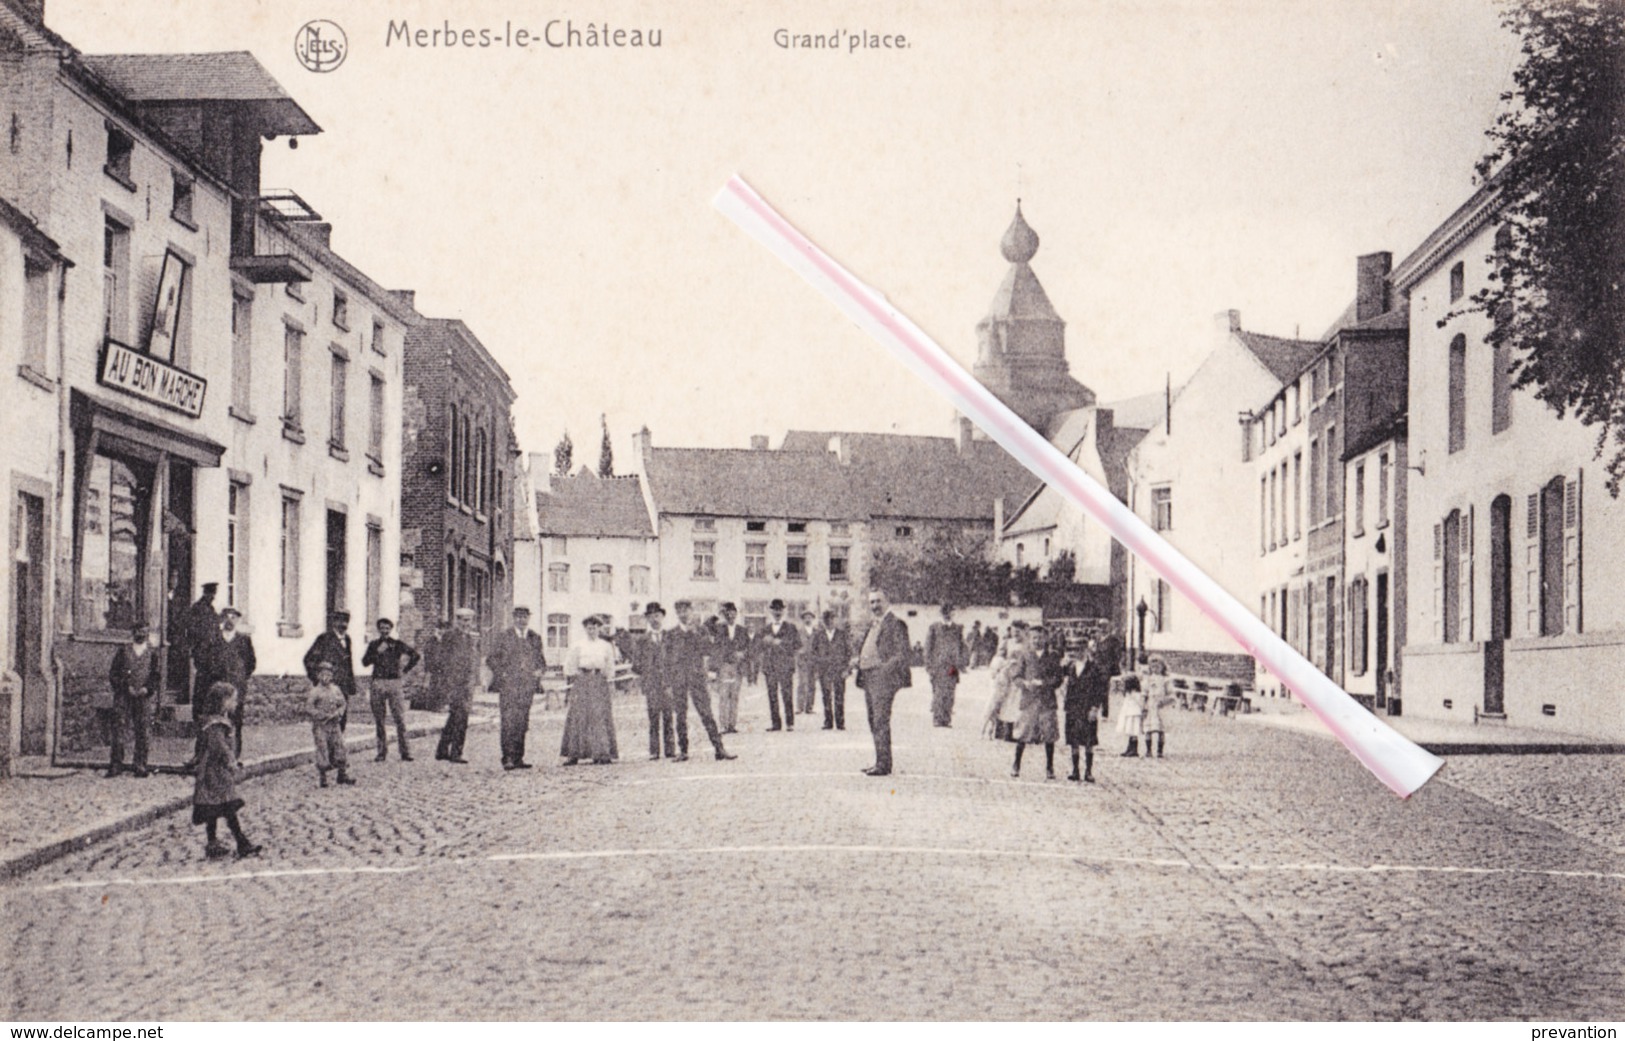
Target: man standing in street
x,y
458,662
806,689
732,644
649,662
334,647
228,657
882,671
386,687
944,659
778,645
686,648
198,629
973,645
516,662
827,649
135,677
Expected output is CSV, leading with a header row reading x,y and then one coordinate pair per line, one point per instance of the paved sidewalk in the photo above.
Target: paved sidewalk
x,y
57,811
1442,737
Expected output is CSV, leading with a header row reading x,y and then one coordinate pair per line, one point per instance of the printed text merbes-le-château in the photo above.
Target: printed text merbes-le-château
x,y
556,33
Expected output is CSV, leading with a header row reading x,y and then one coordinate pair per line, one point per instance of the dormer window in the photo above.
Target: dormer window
x,y
120,147
180,205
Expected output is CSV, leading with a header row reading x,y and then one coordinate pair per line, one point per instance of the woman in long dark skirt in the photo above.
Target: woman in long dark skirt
x,y
589,724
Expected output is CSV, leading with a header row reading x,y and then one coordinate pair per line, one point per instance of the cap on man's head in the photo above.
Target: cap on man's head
x,y
230,612
808,615
210,587
776,605
682,605
339,616
385,621
728,605
653,608
522,611
592,619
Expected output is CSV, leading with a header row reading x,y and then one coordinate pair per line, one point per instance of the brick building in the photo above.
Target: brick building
x,y
458,451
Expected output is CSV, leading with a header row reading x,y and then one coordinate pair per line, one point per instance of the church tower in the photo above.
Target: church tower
x,y
1021,344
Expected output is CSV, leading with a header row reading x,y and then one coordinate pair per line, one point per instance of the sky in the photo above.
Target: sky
x,y
1176,158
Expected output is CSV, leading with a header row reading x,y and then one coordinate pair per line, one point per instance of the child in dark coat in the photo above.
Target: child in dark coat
x,y
214,794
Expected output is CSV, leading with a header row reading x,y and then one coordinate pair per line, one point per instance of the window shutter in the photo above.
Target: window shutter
x,y
1465,588
1531,569
1438,582
1573,616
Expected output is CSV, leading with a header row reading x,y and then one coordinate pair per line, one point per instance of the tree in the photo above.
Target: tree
x,y
606,454
1063,569
1557,158
563,452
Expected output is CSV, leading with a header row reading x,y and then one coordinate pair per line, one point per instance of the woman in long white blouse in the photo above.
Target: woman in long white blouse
x,y
589,724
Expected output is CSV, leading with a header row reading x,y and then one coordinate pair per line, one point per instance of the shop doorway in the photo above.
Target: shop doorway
x,y
28,621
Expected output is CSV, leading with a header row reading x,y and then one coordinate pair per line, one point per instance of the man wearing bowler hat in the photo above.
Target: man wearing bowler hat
x,y
777,647
649,662
516,663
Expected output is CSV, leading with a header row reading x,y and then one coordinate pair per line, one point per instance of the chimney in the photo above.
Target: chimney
x,y
319,232
758,442
842,448
407,297
1371,285
643,446
964,433
1228,322
998,519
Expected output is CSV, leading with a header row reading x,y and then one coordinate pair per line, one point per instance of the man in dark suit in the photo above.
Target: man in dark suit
x,y
333,647
456,665
777,646
135,677
882,663
944,660
516,663
686,648
830,657
730,648
649,662
228,657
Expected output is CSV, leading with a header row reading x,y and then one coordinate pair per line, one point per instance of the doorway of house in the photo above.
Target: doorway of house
x,y
28,622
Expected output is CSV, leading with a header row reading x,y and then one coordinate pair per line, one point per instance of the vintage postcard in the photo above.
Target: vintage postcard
x,y
389,364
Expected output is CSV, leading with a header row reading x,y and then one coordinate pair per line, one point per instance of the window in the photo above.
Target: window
x,y
115,281
705,559
1458,393
558,632
1021,554
341,310
839,560
756,525
1458,281
1295,403
113,540
638,579
1162,508
448,595
1501,378
377,336
1046,548
466,492
1334,475
1275,527
293,363
1314,483
454,456
1358,623
338,563
120,147
1263,513
798,527
288,607
1382,490
242,355
180,199
756,562
375,571
795,563
341,376
36,313
1297,495
1314,384
237,543
558,578
1359,499
375,418
481,485
1451,601
1554,532
1164,605
600,578
705,524
903,531
561,545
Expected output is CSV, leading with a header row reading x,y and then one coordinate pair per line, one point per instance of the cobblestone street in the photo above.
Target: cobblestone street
x,y
1254,873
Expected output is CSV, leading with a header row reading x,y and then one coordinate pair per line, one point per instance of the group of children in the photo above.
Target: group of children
x,y
214,795
1144,698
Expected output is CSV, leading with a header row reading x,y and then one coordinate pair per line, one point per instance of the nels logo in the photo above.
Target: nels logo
x,y
321,45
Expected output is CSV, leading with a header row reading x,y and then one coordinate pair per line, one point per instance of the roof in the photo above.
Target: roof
x,y
228,76
429,335
1020,296
737,482
905,475
1141,412
1284,358
30,233
307,239
600,507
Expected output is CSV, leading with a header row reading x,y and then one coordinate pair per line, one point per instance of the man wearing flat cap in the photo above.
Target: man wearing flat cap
x,y
516,662
457,676
730,645
334,647
686,648
777,646
227,656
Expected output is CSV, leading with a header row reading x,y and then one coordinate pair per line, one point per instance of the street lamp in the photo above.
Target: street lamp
x,y
1141,609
